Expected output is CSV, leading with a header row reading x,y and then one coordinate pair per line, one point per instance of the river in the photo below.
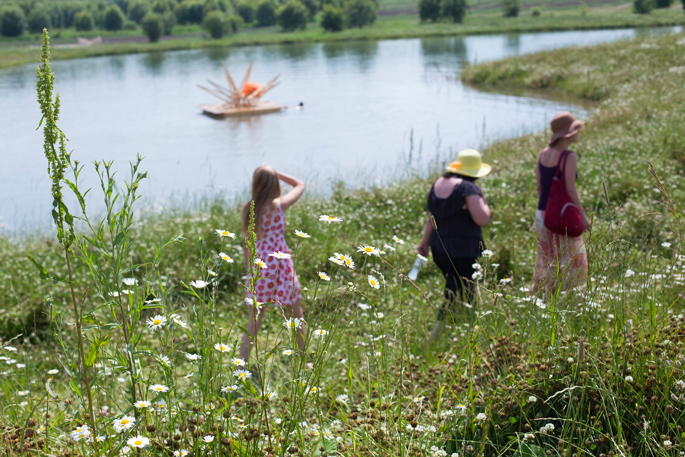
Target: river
x,y
372,111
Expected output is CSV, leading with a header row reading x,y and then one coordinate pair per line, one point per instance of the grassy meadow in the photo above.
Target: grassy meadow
x,y
24,50
136,354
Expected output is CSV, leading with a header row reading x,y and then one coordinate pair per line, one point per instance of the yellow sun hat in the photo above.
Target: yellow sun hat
x,y
469,163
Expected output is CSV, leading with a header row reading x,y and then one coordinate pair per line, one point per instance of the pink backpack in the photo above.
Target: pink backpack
x,y
561,215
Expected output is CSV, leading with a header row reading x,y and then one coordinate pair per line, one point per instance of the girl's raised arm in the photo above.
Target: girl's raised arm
x,y
295,193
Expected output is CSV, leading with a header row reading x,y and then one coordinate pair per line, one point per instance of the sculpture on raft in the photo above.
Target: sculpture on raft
x,y
245,99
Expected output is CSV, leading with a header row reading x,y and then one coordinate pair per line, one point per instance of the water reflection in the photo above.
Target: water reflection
x,y
154,61
218,54
513,43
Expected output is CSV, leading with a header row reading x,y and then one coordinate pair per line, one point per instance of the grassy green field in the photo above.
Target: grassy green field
x,y
592,373
22,51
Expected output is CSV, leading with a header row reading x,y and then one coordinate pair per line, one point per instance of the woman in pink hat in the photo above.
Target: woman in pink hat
x,y
560,258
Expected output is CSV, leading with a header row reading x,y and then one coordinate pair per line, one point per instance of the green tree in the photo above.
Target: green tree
x,y
215,24
38,19
643,6
83,21
12,21
454,9
663,3
246,10
312,7
137,10
359,13
332,18
266,13
114,18
152,26
429,10
189,12
510,8
536,11
169,21
293,15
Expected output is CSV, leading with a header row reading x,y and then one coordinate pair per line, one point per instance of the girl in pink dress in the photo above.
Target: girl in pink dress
x,y
278,285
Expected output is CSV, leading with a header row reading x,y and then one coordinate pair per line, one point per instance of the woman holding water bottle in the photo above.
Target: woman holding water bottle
x,y
457,211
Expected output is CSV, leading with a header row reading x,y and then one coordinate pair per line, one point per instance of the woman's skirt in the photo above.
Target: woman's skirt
x,y
561,260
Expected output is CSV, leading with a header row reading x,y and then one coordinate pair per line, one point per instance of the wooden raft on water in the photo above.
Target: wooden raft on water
x,y
224,110
240,101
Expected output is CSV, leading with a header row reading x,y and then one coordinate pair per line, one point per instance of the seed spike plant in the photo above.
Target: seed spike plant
x,y
58,162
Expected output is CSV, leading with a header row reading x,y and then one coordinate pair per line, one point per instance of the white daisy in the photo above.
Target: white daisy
x,y
343,398
347,260
138,441
208,438
157,322
124,424
229,389
293,323
387,246
159,388
223,233
221,347
397,239
301,234
130,281
238,362
373,282
80,433
280,255
287,352
198,284
320,333
211,273
336,260
142,404
193,356
329,219
53,371
260,263
368,250
23,393
242,374
324,276
270,395
488,253
225,257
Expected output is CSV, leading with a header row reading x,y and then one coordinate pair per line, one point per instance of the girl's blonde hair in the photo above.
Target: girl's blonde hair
x,y
265,188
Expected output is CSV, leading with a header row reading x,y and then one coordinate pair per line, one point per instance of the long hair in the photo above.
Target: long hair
x,y
265,188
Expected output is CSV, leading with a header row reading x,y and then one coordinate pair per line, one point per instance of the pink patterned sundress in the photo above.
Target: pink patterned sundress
x,y
279,284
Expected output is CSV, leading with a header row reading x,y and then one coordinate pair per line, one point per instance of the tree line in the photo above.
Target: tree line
x,y
455,10
158,17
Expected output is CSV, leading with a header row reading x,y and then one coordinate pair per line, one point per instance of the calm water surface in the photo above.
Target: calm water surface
x,y
364,103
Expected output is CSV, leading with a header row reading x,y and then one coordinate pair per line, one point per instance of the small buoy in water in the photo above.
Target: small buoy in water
x,y
300,106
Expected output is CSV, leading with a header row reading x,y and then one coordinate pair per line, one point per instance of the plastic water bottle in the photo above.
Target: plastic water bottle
x,y
418,264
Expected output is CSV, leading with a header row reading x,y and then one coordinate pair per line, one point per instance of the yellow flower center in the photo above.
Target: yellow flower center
x,y
138,442
124,422
157,322
368,249
242,375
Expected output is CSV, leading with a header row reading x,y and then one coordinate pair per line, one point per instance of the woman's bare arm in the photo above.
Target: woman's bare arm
x,y
570,169
422,248
480,211
294,194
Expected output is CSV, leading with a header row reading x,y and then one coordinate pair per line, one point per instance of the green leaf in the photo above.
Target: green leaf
x,y
512,420
119,238
92,355
74,387
44,274
529,450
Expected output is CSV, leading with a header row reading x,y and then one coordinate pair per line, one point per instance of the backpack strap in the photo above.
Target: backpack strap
x,y
561,165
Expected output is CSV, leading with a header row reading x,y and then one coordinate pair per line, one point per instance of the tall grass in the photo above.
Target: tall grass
x,y
161,301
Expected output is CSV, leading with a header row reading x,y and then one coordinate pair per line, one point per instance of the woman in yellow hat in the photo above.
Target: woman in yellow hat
x,y
457,211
